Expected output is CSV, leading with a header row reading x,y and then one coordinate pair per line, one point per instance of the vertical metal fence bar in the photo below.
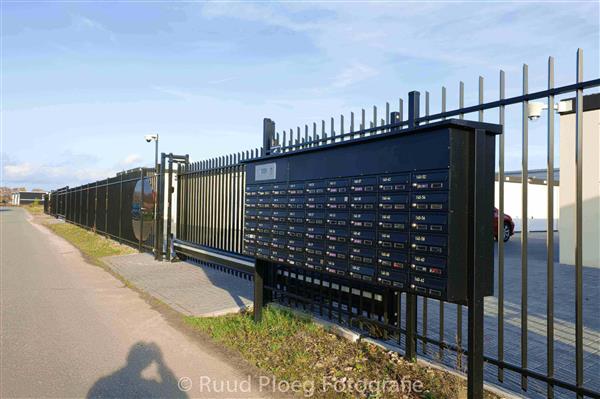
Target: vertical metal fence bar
x,y
501,118
524,228
425,304
459,309
120,206
579,226
550,235
141,210
442,303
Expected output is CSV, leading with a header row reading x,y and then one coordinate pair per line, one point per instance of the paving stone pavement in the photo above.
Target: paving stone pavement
x,y
564,321
200,290
190,289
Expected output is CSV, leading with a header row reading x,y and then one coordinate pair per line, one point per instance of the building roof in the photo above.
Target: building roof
x,y
536,176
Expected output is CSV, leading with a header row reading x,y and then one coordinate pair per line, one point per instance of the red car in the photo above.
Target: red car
x,y
509,226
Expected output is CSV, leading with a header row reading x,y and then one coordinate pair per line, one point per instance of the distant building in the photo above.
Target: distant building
x,y
27,197
537,203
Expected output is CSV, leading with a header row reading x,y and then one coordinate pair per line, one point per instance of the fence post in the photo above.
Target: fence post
x,y
410,350
268,135
141,210
261,268
106,209
414,98
120,206
158,228
476,269
169,205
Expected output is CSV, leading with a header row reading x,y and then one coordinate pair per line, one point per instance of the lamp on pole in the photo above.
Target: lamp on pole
x,y
149,138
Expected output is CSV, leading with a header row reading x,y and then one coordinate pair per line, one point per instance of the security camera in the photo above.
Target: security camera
x,y
150,137
534,110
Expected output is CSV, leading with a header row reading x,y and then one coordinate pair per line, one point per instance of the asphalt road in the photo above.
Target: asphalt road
x,y
70,329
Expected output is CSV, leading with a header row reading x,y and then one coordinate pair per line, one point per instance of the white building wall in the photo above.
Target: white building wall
x,y
537,206
591,188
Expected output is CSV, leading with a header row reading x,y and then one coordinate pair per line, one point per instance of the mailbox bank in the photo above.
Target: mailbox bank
x,y
395,209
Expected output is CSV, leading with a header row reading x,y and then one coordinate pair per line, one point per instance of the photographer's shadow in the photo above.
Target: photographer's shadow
x,y
128,381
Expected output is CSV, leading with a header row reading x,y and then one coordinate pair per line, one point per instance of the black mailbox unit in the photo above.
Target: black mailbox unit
x,y
394,209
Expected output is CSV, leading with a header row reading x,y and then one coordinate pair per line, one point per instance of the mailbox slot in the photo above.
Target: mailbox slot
x,y
315,233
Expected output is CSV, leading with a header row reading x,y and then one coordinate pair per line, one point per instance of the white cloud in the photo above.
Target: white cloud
x,y
353,74
131,159
50,176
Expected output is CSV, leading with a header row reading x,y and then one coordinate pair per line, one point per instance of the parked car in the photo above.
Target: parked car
x,y
509,226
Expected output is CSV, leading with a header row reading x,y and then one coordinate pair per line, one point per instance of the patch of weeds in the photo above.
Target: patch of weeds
x,y
293,348
90,244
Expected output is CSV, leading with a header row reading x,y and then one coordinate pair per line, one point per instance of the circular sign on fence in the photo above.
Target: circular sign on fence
x,y
142,209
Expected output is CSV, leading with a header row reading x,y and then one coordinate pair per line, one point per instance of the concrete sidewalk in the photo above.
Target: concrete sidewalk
x,y
191,289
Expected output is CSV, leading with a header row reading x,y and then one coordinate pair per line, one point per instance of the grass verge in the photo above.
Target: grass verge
x,y
293,348
89,243
35,208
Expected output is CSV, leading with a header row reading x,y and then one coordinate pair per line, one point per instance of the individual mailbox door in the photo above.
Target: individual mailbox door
x,y
363,254
295,245
279,202
395,278
337,201
429,222
296,188
427,285
338,186
337,218
397,202
279,242
428,264
296,231
296,258
337,251
279,229
250,226
429,201
279,215
433,244
393,221
314,262
316,201
264,227
315,187
265,189
264,214
393,240
278,255
363,184
295,202
363,201
336,266
313,217
393,259
338,234
315,247
362,237
399,182
295,216
430,181
362,219
315,232
251,202
280,189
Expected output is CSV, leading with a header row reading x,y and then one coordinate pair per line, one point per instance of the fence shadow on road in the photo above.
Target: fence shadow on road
x,y
129,382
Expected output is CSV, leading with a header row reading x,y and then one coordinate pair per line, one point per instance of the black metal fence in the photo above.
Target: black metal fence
x,y
521,347
120,207
536,340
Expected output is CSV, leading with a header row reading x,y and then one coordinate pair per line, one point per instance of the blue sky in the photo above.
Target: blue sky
x,y
83,82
